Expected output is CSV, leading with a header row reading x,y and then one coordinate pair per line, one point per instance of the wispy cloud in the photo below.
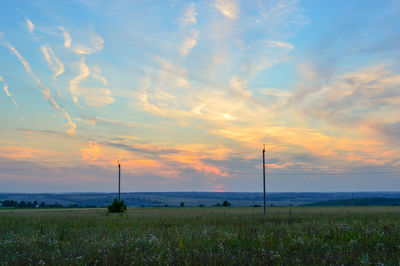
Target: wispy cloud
x,y
189,15
93,96
340,98
15,152
30,25
96,73
45,91
280,44
54,63
189,43
96,45
5,87
228,8
6,90
67,38
281,15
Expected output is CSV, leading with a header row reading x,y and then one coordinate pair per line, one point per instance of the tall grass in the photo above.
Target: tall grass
x,y
198,236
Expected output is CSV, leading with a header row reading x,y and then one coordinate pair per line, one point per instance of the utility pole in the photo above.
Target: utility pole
x,y
264,176
119,181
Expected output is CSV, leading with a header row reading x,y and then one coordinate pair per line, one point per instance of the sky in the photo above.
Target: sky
x,y
186,93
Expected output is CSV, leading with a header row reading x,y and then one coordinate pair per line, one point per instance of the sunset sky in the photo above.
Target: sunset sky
x,y
185,94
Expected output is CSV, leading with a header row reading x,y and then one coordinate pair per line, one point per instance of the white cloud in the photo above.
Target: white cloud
x,y
96,43
96,73
5,87
67,38
161,88
228,8
280,44
30,25
93,96
189,16
45,92
54,63
74,83
189,43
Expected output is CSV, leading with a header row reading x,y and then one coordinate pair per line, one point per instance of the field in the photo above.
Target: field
x,y
198,236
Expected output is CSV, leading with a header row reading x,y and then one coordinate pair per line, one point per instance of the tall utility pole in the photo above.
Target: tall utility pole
x,y
119,182
264,176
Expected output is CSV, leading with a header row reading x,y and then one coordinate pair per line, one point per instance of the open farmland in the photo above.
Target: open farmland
x,y
299,235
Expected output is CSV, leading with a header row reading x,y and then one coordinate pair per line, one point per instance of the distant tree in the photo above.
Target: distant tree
x,y
166,205
226,203
29,204
42,205
117,206
182,204
201,205
35,203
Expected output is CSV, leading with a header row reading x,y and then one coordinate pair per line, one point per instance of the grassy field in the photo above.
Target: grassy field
x,y
196,236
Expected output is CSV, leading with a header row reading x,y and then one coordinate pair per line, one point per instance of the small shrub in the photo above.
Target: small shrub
x,y
117,206
226,203
182,204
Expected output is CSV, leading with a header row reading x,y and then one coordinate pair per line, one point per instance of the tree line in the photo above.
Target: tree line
x,y
35,204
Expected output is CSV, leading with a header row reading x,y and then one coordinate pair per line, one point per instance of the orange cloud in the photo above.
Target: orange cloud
x,y
92,152
193,162
23,152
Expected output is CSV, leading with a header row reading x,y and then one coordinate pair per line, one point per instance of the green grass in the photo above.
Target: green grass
x,y
198,236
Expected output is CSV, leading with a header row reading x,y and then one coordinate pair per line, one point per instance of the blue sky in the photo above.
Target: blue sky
x,y
185,94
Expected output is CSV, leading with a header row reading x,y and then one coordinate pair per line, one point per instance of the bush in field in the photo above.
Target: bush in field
x,y
226,203
117,206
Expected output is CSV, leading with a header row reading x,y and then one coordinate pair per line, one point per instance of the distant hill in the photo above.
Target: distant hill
x,y
147,199
358,202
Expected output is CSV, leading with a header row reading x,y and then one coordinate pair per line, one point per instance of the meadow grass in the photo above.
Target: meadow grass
x,y
198,236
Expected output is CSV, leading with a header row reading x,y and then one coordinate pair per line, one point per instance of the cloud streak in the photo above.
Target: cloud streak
x,y
189,43
5,87
67,38
54,63
189,16
45,92
228,8
30,25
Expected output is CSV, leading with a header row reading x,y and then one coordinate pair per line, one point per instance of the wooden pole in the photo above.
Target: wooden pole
x,y
119,182
264,178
